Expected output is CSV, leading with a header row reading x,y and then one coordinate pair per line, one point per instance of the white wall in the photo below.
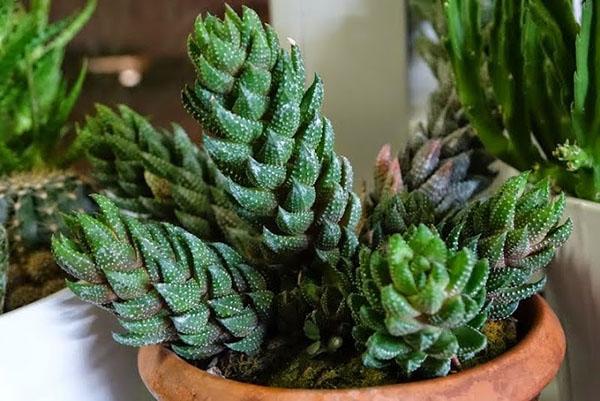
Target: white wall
x,y
359,49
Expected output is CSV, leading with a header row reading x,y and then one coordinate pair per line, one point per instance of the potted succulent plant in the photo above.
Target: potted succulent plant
x,y
526,74
35,104
250,266
37,184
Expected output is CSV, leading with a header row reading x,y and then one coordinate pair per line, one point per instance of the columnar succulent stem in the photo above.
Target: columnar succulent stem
x,y
156,173
265,133
518,230
164,284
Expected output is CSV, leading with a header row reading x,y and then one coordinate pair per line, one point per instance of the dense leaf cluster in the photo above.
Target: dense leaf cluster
x,y
431,266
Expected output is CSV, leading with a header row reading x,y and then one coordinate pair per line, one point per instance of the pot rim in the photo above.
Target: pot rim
x,y
544,325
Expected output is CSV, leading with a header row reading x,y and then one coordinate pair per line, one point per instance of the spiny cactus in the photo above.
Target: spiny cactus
x,y
419,304
35,101
35,104
31,205
164,284
157,173
3,265
266,135
518,231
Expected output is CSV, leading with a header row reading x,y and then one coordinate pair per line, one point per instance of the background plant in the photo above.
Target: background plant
x,y
540,68
35,104
35,99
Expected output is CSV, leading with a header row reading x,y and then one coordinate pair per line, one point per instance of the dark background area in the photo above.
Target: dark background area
x,y
146,37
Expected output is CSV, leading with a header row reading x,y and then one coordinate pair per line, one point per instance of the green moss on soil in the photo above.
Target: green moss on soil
x,y
501,336
284,365
289,366
34,276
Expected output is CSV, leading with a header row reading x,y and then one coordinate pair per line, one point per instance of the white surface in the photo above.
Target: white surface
x,y
358,47
573,290
60,349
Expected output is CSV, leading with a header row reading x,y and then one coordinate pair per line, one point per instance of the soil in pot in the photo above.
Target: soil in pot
x,y
518,375
290,366
33,276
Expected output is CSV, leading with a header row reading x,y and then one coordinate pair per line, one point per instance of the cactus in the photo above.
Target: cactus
x,y
35,104
164,284
31,205
419,304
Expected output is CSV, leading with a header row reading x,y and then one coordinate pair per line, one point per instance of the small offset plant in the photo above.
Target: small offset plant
x,y
443,164
261,267
518,231
419,305
527,78
35,104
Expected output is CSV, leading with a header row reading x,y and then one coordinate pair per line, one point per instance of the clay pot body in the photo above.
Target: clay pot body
x,y
518,375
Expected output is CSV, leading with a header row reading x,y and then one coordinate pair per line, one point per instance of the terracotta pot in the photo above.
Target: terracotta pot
x,y
518,375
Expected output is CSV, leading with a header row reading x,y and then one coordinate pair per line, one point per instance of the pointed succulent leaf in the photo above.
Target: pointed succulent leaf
x,y
177,290
268,140
414,293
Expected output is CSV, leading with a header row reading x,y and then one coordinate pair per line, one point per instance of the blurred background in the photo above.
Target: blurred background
x,y
136,50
